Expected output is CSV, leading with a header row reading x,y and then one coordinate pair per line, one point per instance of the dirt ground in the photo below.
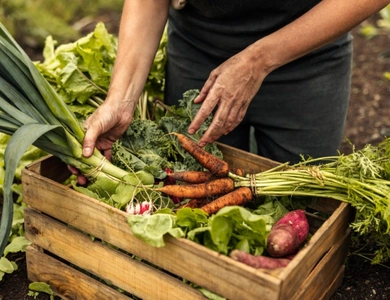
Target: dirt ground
x,y
368,121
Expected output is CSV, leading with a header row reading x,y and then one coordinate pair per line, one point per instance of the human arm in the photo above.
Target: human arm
x,y
141,27
231,86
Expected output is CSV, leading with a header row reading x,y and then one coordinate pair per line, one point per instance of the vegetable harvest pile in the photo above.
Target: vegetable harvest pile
x,y
361,179
169,185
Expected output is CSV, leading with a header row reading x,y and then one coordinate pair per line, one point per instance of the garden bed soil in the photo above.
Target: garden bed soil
x,y
368,122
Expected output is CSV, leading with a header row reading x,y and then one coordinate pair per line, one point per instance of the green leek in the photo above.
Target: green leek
x,y
32,113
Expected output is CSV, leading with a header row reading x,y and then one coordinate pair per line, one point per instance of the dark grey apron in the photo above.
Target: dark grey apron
x,y
300,108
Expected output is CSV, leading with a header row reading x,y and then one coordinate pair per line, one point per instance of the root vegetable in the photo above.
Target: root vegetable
x,y
195,203
288,234
239,196
201,190
259,261
212,163
237,171
191,176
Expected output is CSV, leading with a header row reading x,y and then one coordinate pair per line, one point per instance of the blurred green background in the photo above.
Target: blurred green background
x,y
31,21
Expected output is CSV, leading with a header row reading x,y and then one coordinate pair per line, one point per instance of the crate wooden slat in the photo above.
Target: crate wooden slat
x,y
100,260
60,218
65,280
324,272
109,224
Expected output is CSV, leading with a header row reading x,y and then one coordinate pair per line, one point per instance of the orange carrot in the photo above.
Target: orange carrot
x,y
239,196
212,163
191,176
195,203
237,171
200,190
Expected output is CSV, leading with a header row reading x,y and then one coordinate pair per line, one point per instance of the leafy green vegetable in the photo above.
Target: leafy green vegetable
x,y
152,229
34,114
80,71
43,287
18,244
233,227
6,266
147,144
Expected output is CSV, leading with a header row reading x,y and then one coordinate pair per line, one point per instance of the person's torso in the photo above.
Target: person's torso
x,y
231,9
228,26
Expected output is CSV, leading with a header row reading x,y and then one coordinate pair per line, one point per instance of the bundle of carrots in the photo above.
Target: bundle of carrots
x,y
361,179
209,190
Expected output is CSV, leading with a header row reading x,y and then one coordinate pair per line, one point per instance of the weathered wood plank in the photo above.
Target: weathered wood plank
x,y
110,225
324,272
332,231
111,265
64,280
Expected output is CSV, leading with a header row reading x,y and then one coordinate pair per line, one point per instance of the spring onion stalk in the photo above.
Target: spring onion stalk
x,y
361,179
33,114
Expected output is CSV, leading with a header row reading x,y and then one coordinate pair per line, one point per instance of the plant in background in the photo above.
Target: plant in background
x,y
31,21
382,26
80,71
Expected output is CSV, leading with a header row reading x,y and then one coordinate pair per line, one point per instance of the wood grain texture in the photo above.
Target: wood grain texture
x,y
107,263
64,280
218,273
249,162
325,273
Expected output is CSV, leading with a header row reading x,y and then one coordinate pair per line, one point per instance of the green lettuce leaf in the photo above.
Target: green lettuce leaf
x,y
152,229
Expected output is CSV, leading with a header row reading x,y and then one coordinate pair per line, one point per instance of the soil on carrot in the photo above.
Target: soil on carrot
x,y
368,122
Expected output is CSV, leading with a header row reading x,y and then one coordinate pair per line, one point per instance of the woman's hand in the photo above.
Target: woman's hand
x,y
229,89
131,69
103,128
106,125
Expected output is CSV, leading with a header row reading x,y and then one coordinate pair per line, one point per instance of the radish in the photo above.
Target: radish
x,y
288,234
143,208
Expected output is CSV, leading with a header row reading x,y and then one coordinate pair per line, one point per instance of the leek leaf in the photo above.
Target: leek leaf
x,y
20,141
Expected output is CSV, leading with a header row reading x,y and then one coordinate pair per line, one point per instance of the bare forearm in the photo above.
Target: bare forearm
x,y
324,23
141,27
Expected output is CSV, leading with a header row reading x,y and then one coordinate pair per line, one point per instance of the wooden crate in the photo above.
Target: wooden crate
x,y
85,249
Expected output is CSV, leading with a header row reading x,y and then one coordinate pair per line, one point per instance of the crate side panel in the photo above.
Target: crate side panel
x,y
325,272
110,225
212,263
64,280
249,162
325,205
332,231
107,263
227,277
337,281
51,167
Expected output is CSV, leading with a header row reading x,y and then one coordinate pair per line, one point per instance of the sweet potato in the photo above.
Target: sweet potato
x,y
259,261
288,234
